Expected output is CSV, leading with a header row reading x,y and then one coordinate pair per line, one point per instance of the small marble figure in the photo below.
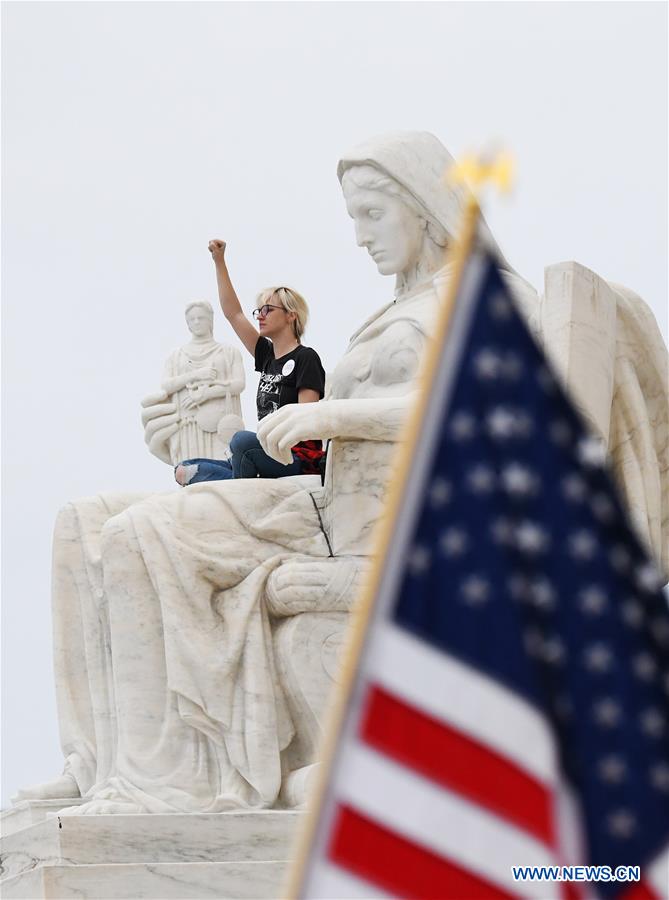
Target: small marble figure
x,y
198,409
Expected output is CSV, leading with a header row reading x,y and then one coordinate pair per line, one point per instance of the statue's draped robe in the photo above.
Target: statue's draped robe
x,y
197,433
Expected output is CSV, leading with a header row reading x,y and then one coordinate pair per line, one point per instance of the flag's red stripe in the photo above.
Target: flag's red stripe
x,y
399,866
454,760
640,890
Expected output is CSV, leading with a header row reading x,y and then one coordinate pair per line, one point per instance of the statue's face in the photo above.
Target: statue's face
x,y
392,233
199,323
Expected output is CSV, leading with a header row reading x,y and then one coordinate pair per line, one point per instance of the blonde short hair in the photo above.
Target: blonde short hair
x,y
291,301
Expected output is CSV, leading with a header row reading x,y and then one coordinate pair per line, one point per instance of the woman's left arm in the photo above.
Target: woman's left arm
x,y
307,395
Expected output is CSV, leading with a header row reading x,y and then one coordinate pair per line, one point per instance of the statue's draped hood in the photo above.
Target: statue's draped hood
x,y
417,160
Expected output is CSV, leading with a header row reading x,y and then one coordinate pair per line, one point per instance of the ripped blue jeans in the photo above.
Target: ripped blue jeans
x,y
249,460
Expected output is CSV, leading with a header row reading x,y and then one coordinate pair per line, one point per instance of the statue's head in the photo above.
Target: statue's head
x,y
390,224
200,318
404,214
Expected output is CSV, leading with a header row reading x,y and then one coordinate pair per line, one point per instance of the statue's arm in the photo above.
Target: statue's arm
x,y
178,382
236,382
363,419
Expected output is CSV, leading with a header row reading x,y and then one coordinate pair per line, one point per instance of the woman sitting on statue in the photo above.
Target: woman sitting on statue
x,y
290,373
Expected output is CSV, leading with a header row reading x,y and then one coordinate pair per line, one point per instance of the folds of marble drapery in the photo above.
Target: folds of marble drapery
x,y
190,687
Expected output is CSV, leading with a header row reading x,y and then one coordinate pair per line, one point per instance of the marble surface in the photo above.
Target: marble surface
x,y
197,409
143,881
30,812
97,840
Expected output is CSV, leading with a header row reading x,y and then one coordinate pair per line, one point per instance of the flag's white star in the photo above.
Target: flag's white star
x,y
644,666
612,769
621,824
648,578
582,544
531,538
518,480
481,479
591,452
652,722
542,594
419,560
659,777
553,651
487,364
463,426
454,542
501,423
504,422
597,657
574,488
440,493
592,600
607,713
475,590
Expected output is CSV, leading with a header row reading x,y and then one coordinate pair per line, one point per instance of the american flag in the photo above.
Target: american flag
x,y
510,703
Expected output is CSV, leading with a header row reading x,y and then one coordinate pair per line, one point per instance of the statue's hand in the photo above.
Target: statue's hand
x,y
312,585
293,423
197,394
217,249
160,421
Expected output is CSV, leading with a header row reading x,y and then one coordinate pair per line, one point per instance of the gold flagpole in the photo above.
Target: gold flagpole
x,y
476,173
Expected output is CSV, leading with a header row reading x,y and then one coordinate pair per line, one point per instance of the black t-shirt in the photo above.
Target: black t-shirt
x,y
281,379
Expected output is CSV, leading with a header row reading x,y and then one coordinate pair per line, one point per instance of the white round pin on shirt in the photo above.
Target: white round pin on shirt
x,y
288,367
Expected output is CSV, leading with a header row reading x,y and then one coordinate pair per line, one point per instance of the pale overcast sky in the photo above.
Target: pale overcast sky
x,y
134,132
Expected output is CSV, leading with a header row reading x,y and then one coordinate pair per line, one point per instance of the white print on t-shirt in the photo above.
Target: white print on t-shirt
x,y
268,382
288,367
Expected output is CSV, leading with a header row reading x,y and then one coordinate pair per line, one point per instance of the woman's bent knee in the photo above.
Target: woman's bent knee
x,y
242,441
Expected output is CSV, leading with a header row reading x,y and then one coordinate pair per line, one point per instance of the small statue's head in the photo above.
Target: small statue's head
x,y
394,228
200,318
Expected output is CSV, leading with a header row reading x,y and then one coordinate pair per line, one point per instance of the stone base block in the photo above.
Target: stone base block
x,y
30,812
235,854
159,881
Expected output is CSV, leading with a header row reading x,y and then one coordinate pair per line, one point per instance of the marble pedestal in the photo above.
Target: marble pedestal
x,y
171,857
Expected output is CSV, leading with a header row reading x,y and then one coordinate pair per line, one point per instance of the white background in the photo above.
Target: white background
x,y
134,132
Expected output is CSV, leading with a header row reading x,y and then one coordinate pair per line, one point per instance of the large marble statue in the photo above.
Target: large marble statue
x,y
198,409
173,693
